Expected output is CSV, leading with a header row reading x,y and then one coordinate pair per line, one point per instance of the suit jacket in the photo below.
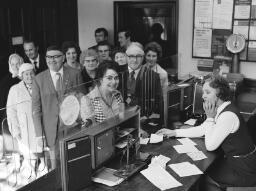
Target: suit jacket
x,y
45,102
19,117
148,94
42,63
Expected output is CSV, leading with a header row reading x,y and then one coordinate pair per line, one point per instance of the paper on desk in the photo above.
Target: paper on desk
x,y
190,122
152,124
185,169
144,141
106,176
186,141
160,178
185,148
160,160
197,155
154,138
154,115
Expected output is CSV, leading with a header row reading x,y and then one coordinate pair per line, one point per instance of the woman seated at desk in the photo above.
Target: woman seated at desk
x,y
104,101
225,128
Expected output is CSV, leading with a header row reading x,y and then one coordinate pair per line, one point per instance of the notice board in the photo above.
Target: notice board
x,y
215,20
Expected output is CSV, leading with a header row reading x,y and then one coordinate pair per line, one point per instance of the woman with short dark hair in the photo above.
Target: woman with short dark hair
x,y
72,52
104,101
224,128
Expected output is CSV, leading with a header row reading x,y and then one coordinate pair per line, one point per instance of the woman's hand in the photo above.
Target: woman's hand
x,y
166,132
210,109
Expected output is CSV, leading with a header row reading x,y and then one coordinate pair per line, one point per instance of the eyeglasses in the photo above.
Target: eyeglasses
x,y
92,60
53,57
112,77
135,56
102,51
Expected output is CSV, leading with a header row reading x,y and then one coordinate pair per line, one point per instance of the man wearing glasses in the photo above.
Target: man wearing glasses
x,y
143,84
48,90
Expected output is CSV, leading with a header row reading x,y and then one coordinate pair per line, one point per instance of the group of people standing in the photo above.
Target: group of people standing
x,y
105,81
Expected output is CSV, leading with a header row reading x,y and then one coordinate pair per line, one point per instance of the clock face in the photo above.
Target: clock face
x,y
235,43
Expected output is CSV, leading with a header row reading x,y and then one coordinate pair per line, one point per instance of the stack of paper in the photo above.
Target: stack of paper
x,y
154,138
197,155
144,141
160,160
185,169
185,148
191,122
186,141
106,176
160,178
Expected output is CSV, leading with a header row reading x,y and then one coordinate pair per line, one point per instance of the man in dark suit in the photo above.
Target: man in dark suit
x,y
33,57
48,89
143,84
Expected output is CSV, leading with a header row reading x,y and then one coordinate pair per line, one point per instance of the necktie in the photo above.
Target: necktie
x,y
58,84
35,65
132,82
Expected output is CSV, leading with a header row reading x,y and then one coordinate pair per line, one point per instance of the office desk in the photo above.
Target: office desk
x,y
138,182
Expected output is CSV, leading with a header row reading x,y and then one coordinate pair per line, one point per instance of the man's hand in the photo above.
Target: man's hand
x,y
166,132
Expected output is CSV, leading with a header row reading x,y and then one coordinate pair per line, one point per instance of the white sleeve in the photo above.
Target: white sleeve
x,y
11,112
226,123
197,131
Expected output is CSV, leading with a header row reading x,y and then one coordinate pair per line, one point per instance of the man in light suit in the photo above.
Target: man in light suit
x,y
47,92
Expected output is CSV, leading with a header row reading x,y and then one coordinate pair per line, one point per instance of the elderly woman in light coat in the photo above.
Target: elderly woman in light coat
x,y
19,113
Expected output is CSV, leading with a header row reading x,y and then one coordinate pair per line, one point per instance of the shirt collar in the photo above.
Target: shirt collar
x,y
36,60
53,73
221,107
136,71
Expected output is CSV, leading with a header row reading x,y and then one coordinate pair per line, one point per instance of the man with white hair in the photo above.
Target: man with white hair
x,y
143,84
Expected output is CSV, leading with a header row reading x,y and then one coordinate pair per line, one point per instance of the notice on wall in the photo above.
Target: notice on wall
x,y
252,33
202,42
222,14
203,13
241,27
242,9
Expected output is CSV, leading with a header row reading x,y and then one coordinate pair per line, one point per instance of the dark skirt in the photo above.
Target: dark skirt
x,y
230,171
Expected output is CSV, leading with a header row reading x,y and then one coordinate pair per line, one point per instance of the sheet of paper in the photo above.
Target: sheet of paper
x,y
252,33
186,141
144,141
222,14
160,160
152,124
190,122
203,13
160,178
154,138
195,156
242,11
185,169
241,27
185,148
154,115
106,176
202,42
